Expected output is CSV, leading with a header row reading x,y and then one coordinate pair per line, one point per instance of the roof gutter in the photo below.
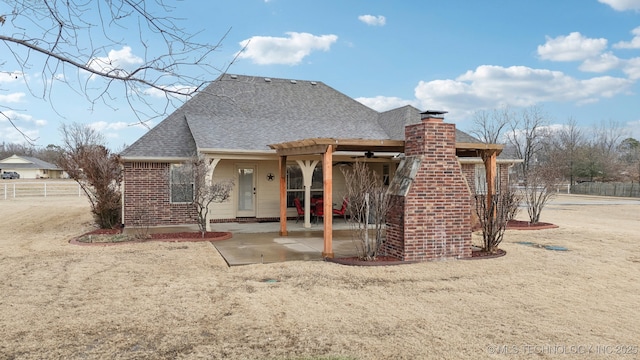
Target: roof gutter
x,y
477,160
152,159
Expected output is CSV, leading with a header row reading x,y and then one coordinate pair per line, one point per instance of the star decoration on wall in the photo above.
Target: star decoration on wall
x,y
270,176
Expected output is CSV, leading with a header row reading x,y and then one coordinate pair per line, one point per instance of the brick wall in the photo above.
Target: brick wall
x,y
147,197
394,242
434,219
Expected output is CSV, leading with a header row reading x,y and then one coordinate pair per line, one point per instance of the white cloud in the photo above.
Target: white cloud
x,y
573,47
21,119
267,50
633,44
182,89
491,87
117,60
11,135
373,20
519,86
623,5
103,126
632,68
383,103
10,77
27,124
601,63
12,98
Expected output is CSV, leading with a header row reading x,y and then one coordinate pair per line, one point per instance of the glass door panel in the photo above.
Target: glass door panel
x,y
246,191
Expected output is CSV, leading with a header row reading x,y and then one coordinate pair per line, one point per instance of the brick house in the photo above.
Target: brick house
x,y
271,137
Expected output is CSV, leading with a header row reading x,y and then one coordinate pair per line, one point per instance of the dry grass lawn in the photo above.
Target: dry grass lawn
x,y
180,300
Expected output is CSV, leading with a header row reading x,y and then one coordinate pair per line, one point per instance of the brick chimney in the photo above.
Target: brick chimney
x,y
432,219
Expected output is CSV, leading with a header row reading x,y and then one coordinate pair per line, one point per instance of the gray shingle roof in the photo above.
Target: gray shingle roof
x,y
394,121
34,163
237,112
170,138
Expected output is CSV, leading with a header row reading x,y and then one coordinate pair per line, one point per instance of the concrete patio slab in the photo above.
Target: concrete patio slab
x,y
274,226
268,247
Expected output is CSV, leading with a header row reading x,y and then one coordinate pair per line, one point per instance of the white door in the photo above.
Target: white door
x,y
246,191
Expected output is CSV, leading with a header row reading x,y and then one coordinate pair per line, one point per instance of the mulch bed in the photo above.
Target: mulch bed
x,y
525,225
192,236
481,254
380,261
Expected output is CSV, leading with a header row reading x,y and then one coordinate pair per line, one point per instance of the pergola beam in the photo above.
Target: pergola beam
x,y
313,149
319,146
490,166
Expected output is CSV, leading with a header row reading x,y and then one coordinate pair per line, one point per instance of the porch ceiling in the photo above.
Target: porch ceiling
x,y
319,146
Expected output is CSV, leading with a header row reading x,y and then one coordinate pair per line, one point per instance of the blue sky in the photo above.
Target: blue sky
x,y
574,58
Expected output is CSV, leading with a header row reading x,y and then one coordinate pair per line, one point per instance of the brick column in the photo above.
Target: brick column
x,y
436,212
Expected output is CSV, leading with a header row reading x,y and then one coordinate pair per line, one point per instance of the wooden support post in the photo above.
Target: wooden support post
x,y
283,195
490,169
327,173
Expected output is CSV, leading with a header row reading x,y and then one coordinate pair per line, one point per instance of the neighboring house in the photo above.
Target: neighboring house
x,y
233,121
31,168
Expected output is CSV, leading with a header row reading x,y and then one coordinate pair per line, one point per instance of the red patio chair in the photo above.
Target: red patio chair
x,y
299,208
342,211
319,210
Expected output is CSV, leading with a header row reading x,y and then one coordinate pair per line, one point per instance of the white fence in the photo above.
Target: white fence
x,y
19,189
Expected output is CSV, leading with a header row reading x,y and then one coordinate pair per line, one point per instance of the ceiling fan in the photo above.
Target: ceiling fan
x,y
367,154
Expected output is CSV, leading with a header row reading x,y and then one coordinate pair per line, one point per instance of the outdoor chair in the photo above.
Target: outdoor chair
x,y
342,211
319,210
299,209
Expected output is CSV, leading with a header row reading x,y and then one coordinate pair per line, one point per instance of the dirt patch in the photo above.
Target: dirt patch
x,y
164,300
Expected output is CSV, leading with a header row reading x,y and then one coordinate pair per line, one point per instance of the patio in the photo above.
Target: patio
x,y
256,243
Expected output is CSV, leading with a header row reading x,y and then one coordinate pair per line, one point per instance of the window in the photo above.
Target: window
x,y
295,184
181,183
481,180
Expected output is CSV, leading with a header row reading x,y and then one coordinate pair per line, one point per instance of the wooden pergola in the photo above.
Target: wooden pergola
x,y
327,146
489,154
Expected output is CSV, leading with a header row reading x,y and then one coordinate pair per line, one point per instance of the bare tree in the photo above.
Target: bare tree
x,y
539,188
605,144
367,202
608,135
8,149
96,169
79,43
194,184
564,149
526,133
489,126
630,154
495,215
